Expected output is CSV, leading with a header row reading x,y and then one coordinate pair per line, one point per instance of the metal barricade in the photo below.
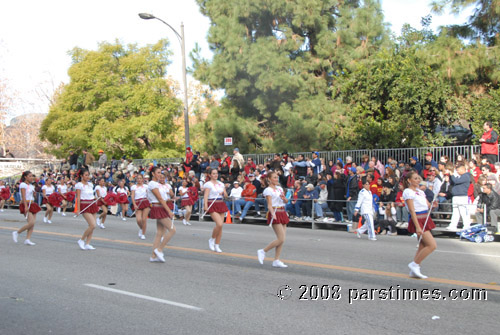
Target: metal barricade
x,y
399,154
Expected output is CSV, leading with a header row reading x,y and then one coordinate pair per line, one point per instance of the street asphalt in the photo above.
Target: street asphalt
x,y
335,282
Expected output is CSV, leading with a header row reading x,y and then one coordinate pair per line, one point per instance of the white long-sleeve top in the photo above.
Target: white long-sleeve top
x,y
236,193
287,168
393,217
365,202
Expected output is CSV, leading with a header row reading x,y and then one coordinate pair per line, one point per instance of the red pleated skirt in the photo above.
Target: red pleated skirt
x,y
100,203
281,216
421,221
187,202
158,212
218,206
86,207
142,203
44,201
122,199
33,208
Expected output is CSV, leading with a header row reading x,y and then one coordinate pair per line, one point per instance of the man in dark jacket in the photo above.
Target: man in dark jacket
x,y
415,164
294,207
352,190
311,178
316,161
444,195
275,165
73,160
260,201
301,166
491,199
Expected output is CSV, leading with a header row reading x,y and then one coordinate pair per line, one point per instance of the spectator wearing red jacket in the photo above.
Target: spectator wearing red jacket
x,y
348,165
249,166
189,155
249,194
489,143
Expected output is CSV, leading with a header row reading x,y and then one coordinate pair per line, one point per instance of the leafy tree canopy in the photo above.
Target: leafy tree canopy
x,y
118,100
278,62
484,23
325,74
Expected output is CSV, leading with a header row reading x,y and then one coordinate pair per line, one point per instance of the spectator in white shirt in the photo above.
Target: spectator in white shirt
x,y
235,196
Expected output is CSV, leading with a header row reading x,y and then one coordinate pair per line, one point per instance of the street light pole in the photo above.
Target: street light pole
x,y
184,77
146,16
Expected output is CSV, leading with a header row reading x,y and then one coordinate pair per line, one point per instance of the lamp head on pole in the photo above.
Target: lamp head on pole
x,y
146,16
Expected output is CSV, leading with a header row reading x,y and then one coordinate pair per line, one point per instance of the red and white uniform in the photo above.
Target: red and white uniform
x,y
185,200
278,205
119,190
48,191
122,190
215,197
216,189
1,188
100,192
157,210
165,195
421,208
62,189
140,196
87,203
32,205
30,190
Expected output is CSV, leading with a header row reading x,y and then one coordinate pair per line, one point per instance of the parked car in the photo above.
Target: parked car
x,y
459,135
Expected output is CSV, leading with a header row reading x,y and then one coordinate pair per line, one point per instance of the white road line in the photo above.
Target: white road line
x,y
468,253
145,297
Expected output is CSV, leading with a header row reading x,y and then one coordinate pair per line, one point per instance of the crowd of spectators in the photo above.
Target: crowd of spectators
x,y
319,190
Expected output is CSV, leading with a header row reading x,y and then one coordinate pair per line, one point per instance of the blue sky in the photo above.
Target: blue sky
x,y
35,36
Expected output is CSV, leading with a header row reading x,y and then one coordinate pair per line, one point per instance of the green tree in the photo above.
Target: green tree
x,y
484,23
118,100
278,62
396,100
486,107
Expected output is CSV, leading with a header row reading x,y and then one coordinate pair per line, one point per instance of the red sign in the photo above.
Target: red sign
x,y
228,141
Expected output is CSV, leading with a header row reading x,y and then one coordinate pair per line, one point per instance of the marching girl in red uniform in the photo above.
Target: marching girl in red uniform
x,y
101,191
213,200
122,189
167,188
186,202
28,207
277,217
158,195
141,204
62,189
88,208
47,190
418,207
2,200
